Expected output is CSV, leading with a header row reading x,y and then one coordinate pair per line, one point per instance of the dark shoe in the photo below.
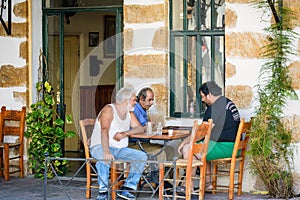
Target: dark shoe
x,y
102,196
181,190
168,185
125,194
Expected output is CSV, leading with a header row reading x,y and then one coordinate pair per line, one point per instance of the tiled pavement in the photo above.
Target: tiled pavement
x,y
33,189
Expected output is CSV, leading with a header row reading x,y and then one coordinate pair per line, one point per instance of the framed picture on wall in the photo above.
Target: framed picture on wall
x,y
93,39
109,47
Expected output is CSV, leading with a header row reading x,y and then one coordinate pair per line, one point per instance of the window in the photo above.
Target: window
x,y
196,52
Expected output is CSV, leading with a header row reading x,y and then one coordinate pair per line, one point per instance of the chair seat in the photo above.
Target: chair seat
x,y
224,161
183,163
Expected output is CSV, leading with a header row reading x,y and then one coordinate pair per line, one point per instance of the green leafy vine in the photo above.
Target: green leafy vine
x,y
46,132
271,151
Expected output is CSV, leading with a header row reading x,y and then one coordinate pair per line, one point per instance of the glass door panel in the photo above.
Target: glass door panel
x,y
53,54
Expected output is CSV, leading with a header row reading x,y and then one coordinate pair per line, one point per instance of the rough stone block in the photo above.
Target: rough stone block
x,y
128,38
230,70
295,7
294,73
160,39
145,13
24,50
19,30
245,45
161,97
292,123
12,77
145,66
230,19
20,97
20,9
241,95
298,46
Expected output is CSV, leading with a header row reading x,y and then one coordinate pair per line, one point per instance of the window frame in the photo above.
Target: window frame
x,y
199,35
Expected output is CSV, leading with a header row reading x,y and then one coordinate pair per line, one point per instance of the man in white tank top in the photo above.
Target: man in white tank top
x,y
109,141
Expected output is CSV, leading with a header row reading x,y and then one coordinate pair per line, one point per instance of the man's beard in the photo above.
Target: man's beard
x,y
130,107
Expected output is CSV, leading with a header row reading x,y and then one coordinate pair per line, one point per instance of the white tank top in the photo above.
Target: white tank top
x,y
117,125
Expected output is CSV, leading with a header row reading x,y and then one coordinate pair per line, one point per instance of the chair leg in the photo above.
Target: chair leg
x,y
88,181
161,180
231,182
114,177
214,177
1,162
6,162
240,177
21,162
202,182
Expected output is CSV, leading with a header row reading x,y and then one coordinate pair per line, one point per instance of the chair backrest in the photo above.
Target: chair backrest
x,y
12,123
241,141
86,126
200,132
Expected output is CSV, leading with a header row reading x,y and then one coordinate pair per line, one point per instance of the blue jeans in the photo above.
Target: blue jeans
x,y
136,168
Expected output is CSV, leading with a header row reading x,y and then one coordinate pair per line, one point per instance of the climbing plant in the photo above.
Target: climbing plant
x,y
271,151
46,132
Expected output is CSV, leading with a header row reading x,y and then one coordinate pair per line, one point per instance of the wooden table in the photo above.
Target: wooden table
x,y
178,133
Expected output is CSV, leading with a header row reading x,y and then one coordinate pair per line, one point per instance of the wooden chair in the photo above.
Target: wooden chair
x,y
198,132
227,166
86,126
12,126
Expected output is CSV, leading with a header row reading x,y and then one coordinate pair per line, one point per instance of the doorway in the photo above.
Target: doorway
x,y
70,45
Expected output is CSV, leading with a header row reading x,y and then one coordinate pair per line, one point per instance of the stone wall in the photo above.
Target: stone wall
x,y
14,62
244,39
146,42
147,65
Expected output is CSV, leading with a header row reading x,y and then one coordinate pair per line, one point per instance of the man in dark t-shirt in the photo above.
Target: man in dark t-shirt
x,y
226,120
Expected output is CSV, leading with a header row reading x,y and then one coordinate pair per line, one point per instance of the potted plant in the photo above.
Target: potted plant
x,y
45,129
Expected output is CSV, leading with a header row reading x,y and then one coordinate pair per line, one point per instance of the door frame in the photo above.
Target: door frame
x,y
60,12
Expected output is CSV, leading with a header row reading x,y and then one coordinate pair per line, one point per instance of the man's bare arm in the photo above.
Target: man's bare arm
x,y
105,119
135,125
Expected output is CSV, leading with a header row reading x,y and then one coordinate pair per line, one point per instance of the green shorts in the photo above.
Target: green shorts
x,y
217,150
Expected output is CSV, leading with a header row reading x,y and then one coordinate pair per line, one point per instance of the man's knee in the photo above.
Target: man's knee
x,y
143,156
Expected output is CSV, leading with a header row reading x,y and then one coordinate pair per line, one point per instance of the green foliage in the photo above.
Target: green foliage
x,y
270,145
46,132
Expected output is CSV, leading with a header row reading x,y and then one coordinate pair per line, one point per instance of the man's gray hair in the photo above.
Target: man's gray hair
x,y
124,94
